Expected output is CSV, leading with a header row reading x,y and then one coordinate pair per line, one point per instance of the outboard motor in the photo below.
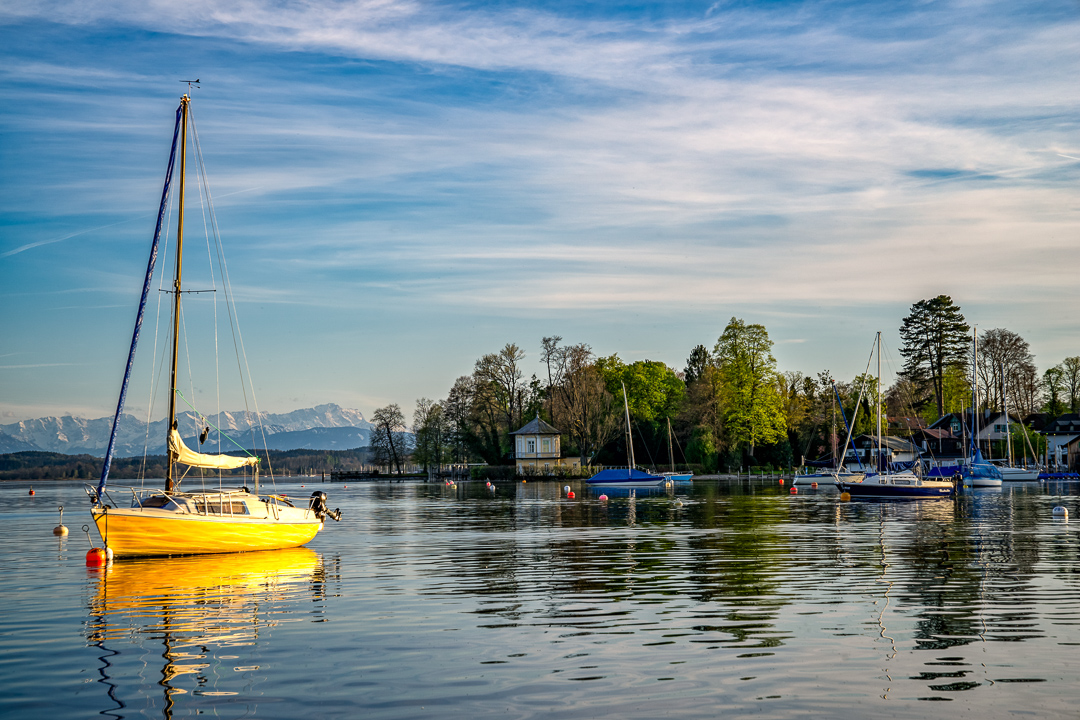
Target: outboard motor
x,y
318,506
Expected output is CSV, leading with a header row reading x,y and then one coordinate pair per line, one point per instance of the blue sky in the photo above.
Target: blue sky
x,y
405,186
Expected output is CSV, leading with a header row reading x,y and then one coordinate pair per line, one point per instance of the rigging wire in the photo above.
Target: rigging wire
x,y
230,306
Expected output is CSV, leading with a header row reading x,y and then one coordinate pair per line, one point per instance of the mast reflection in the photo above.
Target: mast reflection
x,y
204,610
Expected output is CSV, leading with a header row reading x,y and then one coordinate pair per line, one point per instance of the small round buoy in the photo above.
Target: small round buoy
x,y
845,496
31,491
566,488
301,486
678,503
669,484
571,495
603,497
344,487
781,481
1060,511
489,483
108,554
96,557
524,481
794,491
813,484
60,529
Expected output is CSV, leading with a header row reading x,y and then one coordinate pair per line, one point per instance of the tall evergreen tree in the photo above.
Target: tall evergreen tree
x,y
935,336
696,364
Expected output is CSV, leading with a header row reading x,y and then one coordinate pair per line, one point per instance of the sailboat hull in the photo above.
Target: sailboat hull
x,y
887,489
131,532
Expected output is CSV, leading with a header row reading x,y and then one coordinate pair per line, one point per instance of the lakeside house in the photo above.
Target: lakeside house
x,y
538,451
1063,442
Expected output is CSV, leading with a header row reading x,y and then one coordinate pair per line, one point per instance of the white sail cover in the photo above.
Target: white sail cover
x,y
183,454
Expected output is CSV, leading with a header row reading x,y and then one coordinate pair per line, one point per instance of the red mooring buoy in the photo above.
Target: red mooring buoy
x,y
781,481
813,484
794,491
31,491
96,557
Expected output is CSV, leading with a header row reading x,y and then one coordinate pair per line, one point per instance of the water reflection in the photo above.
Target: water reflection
x,y
738,597
204,611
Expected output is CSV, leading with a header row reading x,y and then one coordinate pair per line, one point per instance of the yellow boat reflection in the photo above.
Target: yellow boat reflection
x,y
199,610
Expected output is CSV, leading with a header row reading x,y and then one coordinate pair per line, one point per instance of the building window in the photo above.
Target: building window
x,y
531,445
545,445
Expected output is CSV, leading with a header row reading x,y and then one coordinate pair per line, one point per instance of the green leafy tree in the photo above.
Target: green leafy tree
x,y
754,407
936,338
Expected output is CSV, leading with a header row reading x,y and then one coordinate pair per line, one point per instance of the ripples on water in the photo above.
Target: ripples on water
x,y
432,601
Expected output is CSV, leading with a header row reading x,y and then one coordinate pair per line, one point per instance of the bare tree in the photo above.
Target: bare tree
x,y
430,430
1070,368
1026,391
501,374
1000,351
388,436
588,410
457,407
554,358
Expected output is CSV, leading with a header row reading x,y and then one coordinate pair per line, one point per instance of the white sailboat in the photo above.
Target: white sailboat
x,y
978,472
887,484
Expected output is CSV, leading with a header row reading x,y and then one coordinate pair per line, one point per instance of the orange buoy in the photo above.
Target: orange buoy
x,y
96,557
794,491
813,484
781,481
845,496
31,491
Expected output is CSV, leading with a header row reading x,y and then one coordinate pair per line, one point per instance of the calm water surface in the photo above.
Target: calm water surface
x,y
711,600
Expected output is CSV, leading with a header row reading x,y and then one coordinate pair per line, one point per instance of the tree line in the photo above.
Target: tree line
x,y
730,406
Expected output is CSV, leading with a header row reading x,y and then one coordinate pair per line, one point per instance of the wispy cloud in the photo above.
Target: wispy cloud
x,y
500,162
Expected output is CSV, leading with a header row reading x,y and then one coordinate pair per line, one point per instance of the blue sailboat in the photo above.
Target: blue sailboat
x,y
629,476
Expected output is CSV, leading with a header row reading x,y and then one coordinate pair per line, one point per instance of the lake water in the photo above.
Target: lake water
x,y
437,602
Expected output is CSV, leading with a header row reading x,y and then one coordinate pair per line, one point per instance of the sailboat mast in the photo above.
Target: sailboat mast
x,y
629,435
974,390
1005,407
877,402
670,453
176,287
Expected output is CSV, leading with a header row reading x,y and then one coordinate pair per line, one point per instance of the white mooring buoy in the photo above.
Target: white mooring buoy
x,y
60,529
1061,511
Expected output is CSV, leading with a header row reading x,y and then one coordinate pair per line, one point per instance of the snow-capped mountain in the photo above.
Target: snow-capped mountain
x,y
72,436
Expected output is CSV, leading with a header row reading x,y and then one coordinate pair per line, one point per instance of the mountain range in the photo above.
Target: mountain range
x,y
323,427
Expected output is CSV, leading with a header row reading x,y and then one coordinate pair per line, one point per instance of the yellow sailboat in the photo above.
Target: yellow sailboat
x,y
174,522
